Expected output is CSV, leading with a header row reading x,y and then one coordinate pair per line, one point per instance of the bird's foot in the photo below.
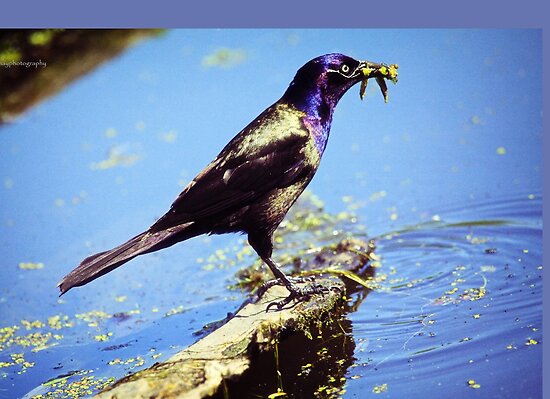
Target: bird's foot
x,y
296,293
291,282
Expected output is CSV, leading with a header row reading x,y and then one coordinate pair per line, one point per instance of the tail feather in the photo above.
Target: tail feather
x,y
97,265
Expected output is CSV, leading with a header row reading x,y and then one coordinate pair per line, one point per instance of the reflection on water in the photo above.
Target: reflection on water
x,y
302,367
54,58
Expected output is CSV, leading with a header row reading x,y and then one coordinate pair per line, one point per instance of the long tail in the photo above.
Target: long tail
x,y
97,265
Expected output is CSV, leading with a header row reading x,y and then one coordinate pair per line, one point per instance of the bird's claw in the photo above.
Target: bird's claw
x,y
298,294
281,304
292,280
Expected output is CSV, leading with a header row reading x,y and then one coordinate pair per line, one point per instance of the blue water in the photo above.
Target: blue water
x,y
447,176
462,302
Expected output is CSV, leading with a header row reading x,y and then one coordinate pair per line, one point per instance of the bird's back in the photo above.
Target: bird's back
x,y
254,180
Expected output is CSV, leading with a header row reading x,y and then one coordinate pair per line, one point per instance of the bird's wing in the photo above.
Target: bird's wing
x,y
237,177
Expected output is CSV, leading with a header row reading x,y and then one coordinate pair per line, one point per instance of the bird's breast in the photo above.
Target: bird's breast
x,y
319,132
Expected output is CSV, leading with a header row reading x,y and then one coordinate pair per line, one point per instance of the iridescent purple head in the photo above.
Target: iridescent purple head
x,y
319,84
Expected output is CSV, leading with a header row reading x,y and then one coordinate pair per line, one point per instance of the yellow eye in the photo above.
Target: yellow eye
x,y
344,68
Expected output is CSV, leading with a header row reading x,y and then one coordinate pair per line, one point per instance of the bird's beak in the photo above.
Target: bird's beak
x,y
366,70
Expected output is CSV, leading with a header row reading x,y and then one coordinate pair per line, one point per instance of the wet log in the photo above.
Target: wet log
x,y
208,367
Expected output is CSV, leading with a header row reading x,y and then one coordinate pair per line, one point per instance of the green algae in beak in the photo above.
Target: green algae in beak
x,y
366,73
392,72
380,72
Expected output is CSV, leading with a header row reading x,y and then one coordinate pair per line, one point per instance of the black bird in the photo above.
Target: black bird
x,y
257,177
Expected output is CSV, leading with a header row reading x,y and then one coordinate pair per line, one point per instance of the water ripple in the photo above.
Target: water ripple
x,y
459,298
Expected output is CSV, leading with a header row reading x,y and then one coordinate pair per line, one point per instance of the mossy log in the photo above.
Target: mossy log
x,y
207,367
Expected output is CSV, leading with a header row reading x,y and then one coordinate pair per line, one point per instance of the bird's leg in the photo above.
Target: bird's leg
x,y
263,245
300,294
281,279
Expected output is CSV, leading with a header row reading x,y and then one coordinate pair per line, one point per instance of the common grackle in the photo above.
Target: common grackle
x,y
257,177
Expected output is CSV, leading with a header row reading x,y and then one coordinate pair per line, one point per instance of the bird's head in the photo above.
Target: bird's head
x,y
320,83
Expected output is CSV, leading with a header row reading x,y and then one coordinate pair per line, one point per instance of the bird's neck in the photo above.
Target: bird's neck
x,y
318,110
